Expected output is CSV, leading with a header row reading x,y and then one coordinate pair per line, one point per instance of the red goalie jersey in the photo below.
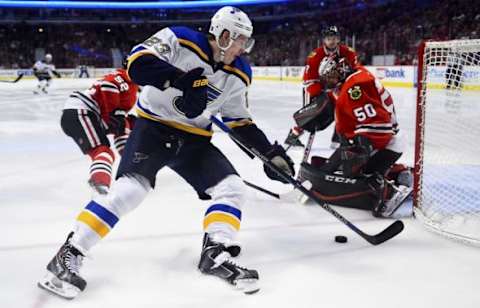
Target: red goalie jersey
x,y
310,75
114,91
364,107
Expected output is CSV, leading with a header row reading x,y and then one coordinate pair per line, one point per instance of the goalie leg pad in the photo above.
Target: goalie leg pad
x,y
360,192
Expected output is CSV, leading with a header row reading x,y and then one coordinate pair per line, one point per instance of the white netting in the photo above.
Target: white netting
x,y
448,195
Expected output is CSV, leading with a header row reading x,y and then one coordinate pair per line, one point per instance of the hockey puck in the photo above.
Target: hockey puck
x,y
340,239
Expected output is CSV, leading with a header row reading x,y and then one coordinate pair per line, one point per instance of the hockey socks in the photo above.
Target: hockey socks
x,y
101,168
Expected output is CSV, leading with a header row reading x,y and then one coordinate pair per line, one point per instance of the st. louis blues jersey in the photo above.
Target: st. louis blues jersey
x,y
43,68
187,49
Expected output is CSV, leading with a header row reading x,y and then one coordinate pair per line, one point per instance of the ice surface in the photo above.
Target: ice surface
x,y
149,260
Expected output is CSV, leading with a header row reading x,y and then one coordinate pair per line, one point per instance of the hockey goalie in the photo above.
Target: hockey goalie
x,y
362,173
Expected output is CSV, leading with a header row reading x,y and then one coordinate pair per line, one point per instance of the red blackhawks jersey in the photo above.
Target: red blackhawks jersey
x,y
364,107
114,91
310,75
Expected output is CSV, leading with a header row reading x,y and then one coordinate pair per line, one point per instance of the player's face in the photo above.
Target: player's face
x,y
331,42
236,49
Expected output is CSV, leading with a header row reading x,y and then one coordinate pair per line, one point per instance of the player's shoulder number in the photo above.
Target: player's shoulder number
x,y
121,83
157,44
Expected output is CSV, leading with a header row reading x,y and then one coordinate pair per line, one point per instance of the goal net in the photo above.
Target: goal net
x,y
447,143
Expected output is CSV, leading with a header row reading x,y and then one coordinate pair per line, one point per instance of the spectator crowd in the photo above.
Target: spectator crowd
x,y
284,34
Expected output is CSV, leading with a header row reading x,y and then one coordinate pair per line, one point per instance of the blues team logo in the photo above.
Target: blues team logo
x,y
138,157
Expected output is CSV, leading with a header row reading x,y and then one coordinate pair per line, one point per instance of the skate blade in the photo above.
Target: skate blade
x,y
247,286
58,287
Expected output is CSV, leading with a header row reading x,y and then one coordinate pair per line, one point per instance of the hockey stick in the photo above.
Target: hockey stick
x,y
15,80
308,149
292,195
265,191
391,231
291,145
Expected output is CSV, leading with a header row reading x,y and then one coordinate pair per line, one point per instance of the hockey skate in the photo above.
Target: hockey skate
x,y
216,260
63,278
293,140
394,198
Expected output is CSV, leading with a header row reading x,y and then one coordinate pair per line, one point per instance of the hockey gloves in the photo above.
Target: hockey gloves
x,y
355,157
194,86
117,122
280,159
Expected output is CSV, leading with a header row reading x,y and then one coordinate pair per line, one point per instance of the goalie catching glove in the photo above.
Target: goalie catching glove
x,y
280,159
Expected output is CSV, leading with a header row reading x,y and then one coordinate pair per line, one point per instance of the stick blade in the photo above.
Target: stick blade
x,y
390,232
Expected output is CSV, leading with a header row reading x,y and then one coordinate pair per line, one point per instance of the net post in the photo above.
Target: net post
x,y
420,117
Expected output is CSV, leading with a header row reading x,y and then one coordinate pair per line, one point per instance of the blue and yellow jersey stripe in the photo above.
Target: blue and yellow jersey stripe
x,y
236,122
145,113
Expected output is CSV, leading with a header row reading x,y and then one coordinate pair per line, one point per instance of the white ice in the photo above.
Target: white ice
x,y
150,259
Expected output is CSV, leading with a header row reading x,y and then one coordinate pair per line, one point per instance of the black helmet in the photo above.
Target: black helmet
x,y
330,31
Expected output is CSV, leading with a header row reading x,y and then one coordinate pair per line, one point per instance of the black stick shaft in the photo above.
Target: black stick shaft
x,y
391,231
266,191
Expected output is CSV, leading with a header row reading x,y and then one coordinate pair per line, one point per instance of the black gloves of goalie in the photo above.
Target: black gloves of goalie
x,y
279,158
355,157
116,123
194,86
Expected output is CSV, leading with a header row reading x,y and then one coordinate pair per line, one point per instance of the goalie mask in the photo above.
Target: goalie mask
x,y
333,70
237,23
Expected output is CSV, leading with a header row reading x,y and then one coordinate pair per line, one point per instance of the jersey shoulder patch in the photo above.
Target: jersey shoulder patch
x,y
193,40
240,68
359,82
355,92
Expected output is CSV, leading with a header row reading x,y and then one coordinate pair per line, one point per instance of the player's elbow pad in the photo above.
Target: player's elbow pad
x,y
150,70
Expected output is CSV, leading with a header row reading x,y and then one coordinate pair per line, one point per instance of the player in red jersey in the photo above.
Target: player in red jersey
x,y
313,87
362,172
89,116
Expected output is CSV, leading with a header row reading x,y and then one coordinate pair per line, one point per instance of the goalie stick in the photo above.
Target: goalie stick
x,y
14,80
388,233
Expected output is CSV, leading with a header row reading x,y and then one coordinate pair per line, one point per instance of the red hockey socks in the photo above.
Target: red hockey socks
x,y
101,168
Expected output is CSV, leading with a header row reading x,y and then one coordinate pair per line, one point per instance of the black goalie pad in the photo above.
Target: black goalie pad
x,y
363,193
317,115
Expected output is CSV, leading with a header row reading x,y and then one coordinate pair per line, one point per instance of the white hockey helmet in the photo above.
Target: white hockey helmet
x,y
48,57
234,21
333,66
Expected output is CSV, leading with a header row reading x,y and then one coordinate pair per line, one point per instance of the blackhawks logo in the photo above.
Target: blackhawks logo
x,y
355,92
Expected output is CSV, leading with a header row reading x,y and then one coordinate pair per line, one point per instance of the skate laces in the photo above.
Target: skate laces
x,y
225,257
73,262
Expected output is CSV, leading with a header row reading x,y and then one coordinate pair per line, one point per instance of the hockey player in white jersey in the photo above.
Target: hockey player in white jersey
x,y
43,70
183,73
